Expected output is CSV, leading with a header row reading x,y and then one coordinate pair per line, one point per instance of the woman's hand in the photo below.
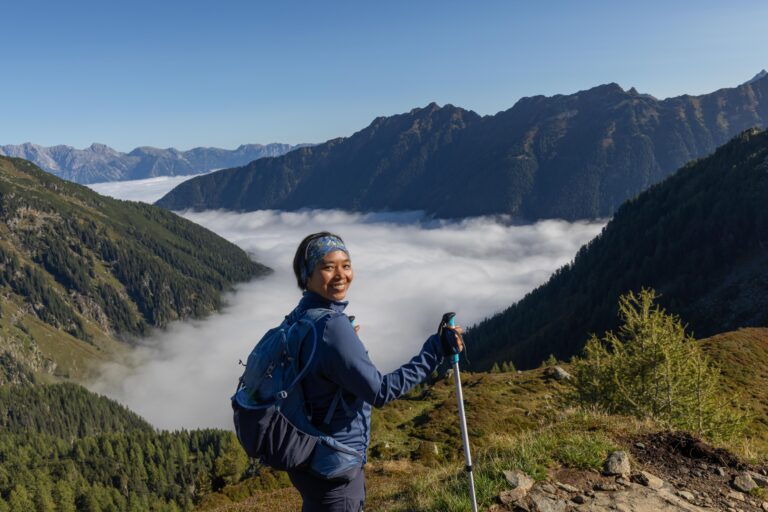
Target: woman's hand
x,y
455,344
459,337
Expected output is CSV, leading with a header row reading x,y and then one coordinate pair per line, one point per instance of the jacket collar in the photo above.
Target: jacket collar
x,y
311,300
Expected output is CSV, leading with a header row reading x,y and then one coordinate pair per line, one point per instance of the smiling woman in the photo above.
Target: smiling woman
x,y
326,254
341,383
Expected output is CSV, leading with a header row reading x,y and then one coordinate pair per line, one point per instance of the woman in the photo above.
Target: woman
x,y
323,271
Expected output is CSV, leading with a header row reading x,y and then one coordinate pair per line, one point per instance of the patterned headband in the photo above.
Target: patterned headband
x,y
318,248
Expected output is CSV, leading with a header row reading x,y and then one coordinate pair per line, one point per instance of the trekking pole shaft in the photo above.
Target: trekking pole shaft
x,y
464,435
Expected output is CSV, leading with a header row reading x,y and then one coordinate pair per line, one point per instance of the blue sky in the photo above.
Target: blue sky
x,y
185,74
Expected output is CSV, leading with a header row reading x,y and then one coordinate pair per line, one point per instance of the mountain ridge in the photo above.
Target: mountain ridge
x,y
570,156
99,162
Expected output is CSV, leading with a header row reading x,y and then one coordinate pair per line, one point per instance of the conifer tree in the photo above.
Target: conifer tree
x,y
653,369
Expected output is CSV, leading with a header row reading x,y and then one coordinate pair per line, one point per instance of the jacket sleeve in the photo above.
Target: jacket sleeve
x,y
346,363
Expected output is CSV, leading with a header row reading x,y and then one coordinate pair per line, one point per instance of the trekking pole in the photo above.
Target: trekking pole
x,y
448,319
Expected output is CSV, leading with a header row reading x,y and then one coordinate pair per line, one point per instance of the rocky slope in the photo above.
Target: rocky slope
x,y
98,163
700,239
567,156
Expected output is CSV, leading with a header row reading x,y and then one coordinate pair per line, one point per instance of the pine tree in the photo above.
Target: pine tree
x,y
653,369
495,368
20,499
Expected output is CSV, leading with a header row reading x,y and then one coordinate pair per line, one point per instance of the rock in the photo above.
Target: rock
x,y
520,483
579,499
606,487
640,445
557,373
566,487
686,495
509,497
743,482
617,464
545,504
648,480
759,479
764,506
733,495
547,488
517,479
623,482
720,471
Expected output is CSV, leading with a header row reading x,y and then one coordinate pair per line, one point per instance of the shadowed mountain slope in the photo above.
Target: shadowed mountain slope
x,y
700,239
566,156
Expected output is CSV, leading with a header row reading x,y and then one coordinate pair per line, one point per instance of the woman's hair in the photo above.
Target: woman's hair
x,y
300,258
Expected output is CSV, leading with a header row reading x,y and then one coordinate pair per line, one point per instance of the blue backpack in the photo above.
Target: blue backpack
x,y
271,417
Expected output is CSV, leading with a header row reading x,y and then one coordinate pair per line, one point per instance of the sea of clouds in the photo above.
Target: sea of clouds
x,y
409,269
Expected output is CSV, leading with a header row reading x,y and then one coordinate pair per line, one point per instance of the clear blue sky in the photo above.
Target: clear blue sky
x,y
188,73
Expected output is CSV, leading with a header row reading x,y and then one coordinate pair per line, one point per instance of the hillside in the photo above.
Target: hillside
x,y
79,271
700,239
524,420
741,356
567,156
517,420
64,448
99,162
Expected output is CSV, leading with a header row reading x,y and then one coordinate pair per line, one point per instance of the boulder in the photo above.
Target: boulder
x,y
557,373
617,464
759,479
648,480
743,482
520,483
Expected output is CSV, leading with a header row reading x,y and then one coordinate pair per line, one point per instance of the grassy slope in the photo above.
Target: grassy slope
x,y
743,359
157,267
515,420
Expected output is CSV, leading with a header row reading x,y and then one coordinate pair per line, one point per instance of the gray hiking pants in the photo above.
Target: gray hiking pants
x,y
323,496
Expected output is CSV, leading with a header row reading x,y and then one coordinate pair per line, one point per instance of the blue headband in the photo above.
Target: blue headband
x,y
316,250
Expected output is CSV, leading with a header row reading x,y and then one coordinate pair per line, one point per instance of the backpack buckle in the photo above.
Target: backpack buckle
x,y
282,394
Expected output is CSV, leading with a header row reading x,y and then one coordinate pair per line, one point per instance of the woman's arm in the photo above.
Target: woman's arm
x,y
347,364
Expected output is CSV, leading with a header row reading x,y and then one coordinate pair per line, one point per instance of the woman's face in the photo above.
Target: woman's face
x,y
332,276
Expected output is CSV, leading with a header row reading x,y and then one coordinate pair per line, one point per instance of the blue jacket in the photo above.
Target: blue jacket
x,y
341,361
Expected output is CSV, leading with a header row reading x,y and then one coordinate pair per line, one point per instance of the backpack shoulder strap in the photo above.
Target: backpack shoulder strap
x,y
309,317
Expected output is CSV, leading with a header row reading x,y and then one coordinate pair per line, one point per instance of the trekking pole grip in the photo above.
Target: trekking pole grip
x,y
449,320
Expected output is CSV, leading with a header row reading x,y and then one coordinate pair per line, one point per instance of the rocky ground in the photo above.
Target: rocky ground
x,y
662,472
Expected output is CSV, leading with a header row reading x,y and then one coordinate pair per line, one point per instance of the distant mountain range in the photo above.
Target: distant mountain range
x,y
80,271
699,238
567,156
99,163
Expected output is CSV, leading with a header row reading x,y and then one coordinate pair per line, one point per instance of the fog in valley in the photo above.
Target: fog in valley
x,y
409,269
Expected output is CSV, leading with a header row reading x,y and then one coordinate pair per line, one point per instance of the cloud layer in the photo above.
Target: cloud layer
x,y
408,271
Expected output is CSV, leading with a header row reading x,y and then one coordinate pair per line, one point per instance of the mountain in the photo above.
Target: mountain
x,y
566,156
79,272
700,239
762,74
99,163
